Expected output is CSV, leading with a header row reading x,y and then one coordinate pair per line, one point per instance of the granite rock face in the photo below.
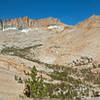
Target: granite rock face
x,y
25,22
61,43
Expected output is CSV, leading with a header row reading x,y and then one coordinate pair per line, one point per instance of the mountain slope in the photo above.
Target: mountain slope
x,y
73,43
48,43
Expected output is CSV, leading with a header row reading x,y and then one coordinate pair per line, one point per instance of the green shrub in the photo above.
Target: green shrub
x,y
35,87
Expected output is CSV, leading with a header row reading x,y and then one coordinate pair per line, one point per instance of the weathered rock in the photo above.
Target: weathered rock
x,y
26,22
61,43
90,23
1,25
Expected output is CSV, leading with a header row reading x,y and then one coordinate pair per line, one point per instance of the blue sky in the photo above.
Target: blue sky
x,y
69,11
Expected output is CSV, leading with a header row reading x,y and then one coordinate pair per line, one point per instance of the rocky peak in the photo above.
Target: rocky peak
x,y
26,22
47,22
92,22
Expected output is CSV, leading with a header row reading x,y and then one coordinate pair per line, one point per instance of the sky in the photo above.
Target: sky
x,y
70,12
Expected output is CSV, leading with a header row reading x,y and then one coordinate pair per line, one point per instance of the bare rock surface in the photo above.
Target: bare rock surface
x,y
45,40
10,66
60,43
9,88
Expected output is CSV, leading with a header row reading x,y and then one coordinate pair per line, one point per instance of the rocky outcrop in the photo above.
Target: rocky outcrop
x,y
47,22
26,22
16,23
90,23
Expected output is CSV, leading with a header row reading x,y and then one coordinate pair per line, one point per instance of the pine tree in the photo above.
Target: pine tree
x,y
37,87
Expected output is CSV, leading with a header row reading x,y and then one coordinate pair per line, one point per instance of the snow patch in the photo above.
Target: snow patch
x,y
25,30
10,28
52,27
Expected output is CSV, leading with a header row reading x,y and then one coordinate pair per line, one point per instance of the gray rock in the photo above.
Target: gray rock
x,y
1,25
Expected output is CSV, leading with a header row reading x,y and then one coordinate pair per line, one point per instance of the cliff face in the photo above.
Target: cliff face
x,y
26,22
17,22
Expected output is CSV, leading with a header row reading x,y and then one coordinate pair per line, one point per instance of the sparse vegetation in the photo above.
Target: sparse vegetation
x,y
21,52
35,87
75,83
70,87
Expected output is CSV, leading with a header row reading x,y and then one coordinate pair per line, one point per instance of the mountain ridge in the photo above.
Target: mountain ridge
x,y
60,43
91,22
27,22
